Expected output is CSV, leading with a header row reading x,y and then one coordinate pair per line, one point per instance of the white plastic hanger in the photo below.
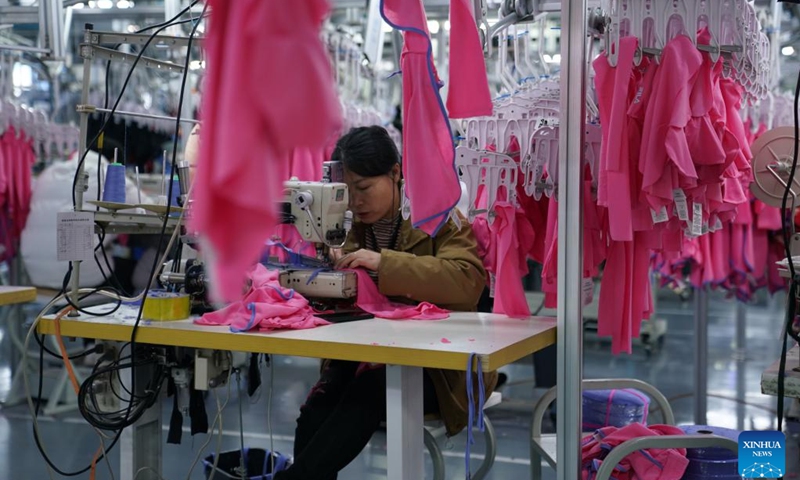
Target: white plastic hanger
x,y
492,170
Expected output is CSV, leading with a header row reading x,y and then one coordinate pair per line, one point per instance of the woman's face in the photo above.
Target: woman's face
x,y
373,198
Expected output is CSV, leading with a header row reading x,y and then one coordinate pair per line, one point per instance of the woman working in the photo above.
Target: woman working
x,y
347,405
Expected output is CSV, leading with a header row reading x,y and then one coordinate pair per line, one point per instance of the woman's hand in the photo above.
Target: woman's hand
x,y
361,258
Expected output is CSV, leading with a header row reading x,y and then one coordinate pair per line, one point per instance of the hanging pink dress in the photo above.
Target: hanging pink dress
x,y
255,114
432,183
468,90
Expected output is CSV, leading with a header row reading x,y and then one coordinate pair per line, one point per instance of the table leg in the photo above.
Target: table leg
x,y
404,422
140,444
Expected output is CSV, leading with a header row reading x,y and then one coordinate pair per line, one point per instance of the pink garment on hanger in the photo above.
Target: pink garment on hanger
x,y
505,257
468,91
665,161
432,184
4,158
613,93
266,306
254,115
373,301
649,464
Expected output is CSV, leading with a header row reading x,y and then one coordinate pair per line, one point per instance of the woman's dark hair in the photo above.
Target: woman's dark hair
x,y
367,151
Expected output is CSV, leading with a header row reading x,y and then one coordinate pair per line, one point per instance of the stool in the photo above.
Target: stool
x,y
432,432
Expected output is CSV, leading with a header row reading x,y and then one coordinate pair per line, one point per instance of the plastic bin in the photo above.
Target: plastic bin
x,y
614,408
257,461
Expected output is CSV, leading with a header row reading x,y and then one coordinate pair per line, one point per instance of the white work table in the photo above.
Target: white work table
x,y
769,377
405,346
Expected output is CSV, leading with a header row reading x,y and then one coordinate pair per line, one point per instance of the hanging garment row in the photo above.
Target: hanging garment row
x,y
740,258
667,163
28,141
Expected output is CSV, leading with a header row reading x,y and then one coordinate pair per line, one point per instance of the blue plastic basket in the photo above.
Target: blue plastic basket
x,y
614,408
256,460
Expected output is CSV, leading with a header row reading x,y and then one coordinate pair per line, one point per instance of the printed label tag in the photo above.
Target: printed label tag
x,y
697,219
660,216
681,206
587,291
492,281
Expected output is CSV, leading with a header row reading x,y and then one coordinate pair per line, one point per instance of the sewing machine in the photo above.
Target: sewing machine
x,y
319,211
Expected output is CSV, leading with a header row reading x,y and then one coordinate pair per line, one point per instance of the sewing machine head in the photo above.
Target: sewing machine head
x,y
319,211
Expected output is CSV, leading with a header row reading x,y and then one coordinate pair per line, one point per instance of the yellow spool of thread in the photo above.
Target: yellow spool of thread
x,y
163,306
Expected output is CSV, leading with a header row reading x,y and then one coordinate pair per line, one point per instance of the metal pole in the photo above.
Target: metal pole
x,y
741,356
570,238
701,356
81,183
741,332
145,115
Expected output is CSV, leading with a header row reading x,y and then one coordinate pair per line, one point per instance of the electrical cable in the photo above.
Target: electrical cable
x,y
217,418
788,216
34,410
154,268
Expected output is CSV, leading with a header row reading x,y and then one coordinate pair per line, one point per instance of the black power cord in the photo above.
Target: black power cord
x,y
788,216
159,28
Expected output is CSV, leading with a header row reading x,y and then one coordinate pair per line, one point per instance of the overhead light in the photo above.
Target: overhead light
x,y
787,51
447,25
78,5
105,4
132,28
124,4
196,65
92,4
433,27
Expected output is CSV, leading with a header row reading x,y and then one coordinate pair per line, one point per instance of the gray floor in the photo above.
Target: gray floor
x,y
735,401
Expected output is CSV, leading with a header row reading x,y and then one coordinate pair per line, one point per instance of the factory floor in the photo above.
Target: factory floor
x,y
735,401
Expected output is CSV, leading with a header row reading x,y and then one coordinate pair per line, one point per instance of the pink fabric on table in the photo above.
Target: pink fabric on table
x,y
432,183
266,306
373,301
649,464
255,114
468,92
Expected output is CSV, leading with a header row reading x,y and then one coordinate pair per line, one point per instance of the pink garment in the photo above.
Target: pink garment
x,y
255,114
468,92
432,184
372,301
504,258
650,464
614,184
266,306
665,161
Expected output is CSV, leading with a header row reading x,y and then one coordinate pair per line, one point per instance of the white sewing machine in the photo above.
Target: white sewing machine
x,y
319,211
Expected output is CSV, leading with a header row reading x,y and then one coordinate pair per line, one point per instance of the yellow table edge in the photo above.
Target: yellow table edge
x,y
256,343
11,295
